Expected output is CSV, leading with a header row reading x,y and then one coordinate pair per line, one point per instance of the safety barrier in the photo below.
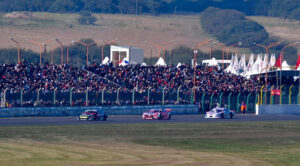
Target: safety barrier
x,y
73,111
125,97
277,109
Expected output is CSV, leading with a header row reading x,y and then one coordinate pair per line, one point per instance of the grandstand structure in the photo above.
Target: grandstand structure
x,y
123,79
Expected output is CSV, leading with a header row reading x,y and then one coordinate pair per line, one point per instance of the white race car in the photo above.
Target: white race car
x,y
219,113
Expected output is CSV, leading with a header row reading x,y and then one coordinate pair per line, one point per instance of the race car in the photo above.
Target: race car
x,y
220,113
157,114
93,114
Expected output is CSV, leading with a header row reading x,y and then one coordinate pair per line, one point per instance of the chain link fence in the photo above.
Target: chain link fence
x,y
119,97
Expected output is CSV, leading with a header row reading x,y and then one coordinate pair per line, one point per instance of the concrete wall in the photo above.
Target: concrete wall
x,y
73,111
278,109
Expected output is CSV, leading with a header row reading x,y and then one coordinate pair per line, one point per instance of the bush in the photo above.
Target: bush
x,y
230,26
86,18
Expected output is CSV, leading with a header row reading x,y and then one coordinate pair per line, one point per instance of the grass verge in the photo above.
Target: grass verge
x,y
246,143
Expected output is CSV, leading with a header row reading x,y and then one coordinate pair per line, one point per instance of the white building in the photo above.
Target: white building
x,y
133,54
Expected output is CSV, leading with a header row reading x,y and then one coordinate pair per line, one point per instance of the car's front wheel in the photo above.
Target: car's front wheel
x,y
231,115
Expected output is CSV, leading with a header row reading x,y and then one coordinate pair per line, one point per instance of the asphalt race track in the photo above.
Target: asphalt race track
x,y
121,119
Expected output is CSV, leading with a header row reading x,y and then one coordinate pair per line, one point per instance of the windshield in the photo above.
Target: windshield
x,y
154,111
90,111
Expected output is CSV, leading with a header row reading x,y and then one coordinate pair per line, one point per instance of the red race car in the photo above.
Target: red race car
x,y
157,114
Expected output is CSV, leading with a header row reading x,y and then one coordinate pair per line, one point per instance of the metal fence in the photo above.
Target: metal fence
x,y
72,97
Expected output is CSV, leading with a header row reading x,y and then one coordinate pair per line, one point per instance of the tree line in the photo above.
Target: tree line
x,y
277,8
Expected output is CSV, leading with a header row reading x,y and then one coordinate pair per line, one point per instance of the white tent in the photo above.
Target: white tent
x,y
143,64
161,62
178,65
105,61
285,66
213,62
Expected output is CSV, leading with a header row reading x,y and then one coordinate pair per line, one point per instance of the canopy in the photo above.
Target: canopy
x,y
285,66
161,62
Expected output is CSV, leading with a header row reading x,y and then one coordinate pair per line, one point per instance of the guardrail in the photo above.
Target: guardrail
x,y
73,111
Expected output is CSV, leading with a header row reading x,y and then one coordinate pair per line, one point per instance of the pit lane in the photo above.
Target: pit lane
x,y
124,119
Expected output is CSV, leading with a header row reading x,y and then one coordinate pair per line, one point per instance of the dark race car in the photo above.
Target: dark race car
x,y
93,114
157,114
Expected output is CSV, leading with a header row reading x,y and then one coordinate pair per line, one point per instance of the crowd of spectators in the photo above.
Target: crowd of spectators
x,y
46,78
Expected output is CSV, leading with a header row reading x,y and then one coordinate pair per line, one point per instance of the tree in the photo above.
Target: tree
x,y
230,26
66,6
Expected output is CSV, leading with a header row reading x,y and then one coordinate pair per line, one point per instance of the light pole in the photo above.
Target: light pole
x,y
87,46
18,45
160,47
195,57
267,51
194,89
105,43
223,51
41,45
289,45
233,45
61,51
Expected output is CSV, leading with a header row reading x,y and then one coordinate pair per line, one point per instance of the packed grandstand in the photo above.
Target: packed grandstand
x,y
31,78
28,84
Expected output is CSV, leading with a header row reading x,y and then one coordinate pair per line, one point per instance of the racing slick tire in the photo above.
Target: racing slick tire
x,y
231,115
103,118
78,118
169,117
89,118
222,116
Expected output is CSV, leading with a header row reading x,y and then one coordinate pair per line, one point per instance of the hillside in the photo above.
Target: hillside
x,y
283,28
129,29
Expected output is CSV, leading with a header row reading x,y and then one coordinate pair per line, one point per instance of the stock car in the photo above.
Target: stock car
x,y
93,114
157,114
220,113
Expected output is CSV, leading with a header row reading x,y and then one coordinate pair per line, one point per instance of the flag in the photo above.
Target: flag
x,y
235,63
298,62
250,63
256,66
242,64
275,92
278,62
272,61
265,63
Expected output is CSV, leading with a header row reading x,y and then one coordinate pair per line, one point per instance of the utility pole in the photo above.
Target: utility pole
x,y
136,7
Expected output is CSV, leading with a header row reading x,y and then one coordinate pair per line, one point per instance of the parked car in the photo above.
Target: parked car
x,y
220,113
93,114
157,114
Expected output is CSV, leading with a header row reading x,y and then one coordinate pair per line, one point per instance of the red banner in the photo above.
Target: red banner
x,y
275,92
